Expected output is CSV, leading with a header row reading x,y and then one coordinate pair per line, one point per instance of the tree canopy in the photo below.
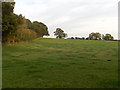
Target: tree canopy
x,y
16,28
108,37
40,28
95,36
59,33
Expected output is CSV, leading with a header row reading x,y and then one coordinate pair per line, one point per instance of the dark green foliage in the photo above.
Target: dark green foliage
x,y
16,28
10,21
40,28
7,8
29,24
59,33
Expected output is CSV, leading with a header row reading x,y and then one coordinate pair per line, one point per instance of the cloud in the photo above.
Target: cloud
x,y
76,17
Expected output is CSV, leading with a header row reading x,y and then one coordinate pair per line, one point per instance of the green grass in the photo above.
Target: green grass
x,y
59,63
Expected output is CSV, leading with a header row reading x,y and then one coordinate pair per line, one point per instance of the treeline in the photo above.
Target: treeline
x,y
96,36
16,28
59,33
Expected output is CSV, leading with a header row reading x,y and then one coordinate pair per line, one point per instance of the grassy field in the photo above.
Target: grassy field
x,y
59,63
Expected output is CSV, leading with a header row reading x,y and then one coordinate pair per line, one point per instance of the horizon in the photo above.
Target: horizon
x,y
76,18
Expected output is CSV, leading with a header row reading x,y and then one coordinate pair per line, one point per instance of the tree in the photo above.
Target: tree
x,y
29,24
40,28
108,37
95,36
59,33
16,28
10,21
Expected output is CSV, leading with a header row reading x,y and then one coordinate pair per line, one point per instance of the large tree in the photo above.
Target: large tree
x,y
59,33
10,21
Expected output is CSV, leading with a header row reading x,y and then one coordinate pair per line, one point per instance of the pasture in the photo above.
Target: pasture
x,y
60,63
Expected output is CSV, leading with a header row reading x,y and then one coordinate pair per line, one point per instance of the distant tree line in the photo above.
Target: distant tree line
x,y
16,28
95,36
59,33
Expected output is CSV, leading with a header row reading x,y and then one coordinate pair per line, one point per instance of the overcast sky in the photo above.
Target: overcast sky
x,y
75,17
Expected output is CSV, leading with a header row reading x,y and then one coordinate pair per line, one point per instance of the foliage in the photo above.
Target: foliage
x,y
95,36
25,34
108,37
16,28
10,21
59,33
20,34
40,28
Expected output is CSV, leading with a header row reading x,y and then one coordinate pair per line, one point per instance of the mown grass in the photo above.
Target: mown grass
x,y
59,63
